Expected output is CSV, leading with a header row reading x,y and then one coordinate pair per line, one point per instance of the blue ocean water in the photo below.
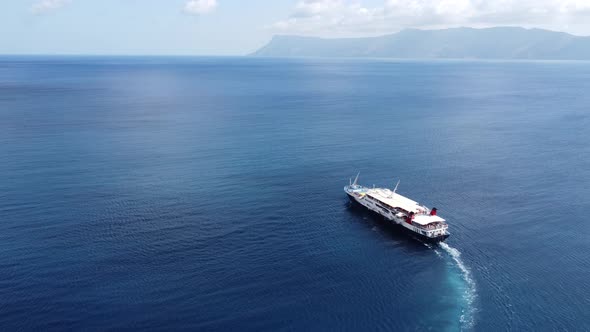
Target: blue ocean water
x,y
206,194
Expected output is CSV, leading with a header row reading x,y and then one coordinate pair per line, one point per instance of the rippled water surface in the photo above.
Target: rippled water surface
x,y
206,194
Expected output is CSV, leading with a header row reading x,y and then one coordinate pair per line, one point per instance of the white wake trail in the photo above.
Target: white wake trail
x,y
470,292
434,249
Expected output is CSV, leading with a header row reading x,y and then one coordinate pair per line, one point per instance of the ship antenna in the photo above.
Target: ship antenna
x,y
357,178
350,181
395,189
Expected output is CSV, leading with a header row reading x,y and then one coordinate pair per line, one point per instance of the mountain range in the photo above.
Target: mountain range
x,y
454,43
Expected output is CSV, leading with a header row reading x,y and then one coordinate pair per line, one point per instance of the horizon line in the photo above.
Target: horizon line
x,y
289,57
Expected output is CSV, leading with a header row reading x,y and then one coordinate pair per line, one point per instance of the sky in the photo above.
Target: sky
x,y
237,27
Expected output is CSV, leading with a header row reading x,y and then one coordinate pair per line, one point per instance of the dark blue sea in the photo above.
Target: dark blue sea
x,y
205,194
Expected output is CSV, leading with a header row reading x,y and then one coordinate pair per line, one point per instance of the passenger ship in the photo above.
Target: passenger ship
x,y
397,209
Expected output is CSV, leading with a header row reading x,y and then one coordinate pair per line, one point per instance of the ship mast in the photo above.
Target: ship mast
x,y
356,179
395,189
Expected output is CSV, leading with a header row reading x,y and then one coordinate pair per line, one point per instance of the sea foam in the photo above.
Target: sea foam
x,y
470,293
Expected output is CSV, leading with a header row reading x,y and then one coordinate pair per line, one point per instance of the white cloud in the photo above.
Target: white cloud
x,y
311,8
197,7
351,18
200,7
43,6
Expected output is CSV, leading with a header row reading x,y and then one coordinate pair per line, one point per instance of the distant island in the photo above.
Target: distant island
x,y
455,43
